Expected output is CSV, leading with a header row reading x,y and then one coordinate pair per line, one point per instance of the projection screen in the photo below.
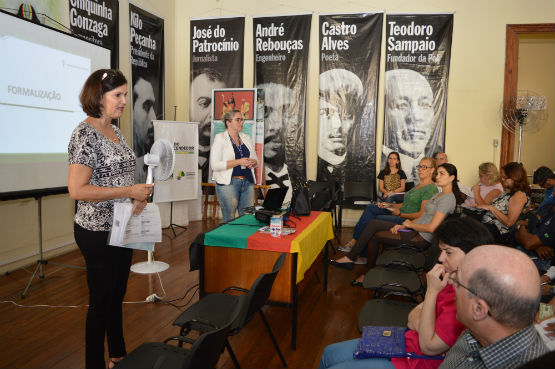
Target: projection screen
x,y
42,72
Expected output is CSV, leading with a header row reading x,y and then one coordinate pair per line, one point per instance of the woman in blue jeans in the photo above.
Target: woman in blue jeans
x,y
411,208
232,159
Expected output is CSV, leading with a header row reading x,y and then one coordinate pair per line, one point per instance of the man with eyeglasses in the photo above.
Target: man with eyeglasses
x,y
497,296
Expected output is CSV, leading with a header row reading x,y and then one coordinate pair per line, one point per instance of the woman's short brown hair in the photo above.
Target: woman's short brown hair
x,y
98,83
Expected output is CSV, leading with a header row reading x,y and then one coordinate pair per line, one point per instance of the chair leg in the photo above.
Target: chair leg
x,y
232,354
273,338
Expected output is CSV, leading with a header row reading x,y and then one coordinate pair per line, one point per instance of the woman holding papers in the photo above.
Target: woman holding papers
x,y
101,171
232,159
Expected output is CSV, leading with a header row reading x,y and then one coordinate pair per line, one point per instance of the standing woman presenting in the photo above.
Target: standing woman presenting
x,y
101,172
232,159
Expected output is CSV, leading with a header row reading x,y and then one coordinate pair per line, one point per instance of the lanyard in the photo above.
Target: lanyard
x,y
240,147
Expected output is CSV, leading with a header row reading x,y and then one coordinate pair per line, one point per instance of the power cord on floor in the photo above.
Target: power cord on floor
x,y
151,298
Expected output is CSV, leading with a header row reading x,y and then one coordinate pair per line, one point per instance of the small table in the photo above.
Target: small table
x,y
235,254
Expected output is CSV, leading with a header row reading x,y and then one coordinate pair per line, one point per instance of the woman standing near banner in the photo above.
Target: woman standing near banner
x,y
232,159
102,171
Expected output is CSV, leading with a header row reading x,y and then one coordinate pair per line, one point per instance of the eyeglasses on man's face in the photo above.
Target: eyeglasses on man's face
x,y
455,282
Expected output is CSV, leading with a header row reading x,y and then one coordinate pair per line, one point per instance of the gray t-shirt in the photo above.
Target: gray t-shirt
x,y
113,165
444,203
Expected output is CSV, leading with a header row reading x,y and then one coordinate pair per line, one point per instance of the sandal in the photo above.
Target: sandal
x,y
348,246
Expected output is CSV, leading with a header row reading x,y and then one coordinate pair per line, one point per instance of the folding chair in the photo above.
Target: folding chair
x,y
215,308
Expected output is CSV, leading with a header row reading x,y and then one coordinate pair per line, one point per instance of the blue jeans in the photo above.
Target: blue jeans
x,y
235,196
371,212
340,355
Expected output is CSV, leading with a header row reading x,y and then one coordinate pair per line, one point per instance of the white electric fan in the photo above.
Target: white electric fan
x,y
160,161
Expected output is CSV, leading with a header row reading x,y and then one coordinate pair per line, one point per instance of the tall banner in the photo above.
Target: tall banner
x,y
216,62
147,76
417,71
281,61
350,47
183,184
96,21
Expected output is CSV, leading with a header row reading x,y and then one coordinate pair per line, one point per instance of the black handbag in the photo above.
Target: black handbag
x,y
300,205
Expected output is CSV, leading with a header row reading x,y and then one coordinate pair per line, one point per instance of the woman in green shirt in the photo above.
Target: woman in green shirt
x,y
411,208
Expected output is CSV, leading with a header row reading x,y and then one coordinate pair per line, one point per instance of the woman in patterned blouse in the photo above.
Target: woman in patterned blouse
x,y
101,172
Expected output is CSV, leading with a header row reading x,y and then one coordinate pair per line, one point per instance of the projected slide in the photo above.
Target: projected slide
x,y
39,96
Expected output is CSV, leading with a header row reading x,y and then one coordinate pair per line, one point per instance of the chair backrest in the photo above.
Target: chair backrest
x,y
409,186
206,350
322,195
359,191
260,291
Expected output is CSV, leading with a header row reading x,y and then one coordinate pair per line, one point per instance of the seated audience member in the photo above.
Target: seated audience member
x,y
544,177
497,297
433,326
537,236
392,178
441,158
547,282
418,231
411,208
487,188
504,210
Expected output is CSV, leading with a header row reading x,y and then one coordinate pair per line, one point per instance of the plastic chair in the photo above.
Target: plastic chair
x,y
214,308
204,352
353,192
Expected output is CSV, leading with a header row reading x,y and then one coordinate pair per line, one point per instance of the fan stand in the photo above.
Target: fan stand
x,y
150,266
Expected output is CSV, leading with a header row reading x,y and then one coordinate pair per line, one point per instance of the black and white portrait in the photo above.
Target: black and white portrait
x,y
340,97
144,113
203,82
410,127
279,117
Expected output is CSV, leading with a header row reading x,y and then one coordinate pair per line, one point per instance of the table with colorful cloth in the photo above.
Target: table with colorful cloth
x,y
235,254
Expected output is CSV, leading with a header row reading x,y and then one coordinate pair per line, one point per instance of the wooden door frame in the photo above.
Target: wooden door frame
x,y
511,77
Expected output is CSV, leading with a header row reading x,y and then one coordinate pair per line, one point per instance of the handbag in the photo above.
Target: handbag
x,y
300,206
387,342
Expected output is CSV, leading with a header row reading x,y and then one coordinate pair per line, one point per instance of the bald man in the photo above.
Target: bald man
x,y
497,296
441,158
409,119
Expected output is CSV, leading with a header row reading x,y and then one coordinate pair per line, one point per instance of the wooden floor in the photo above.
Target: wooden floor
x,y
53,337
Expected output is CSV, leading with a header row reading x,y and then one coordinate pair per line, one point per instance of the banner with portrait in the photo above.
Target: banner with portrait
x,y
216,62
183,184
350,48
281,61
418,53
147,81
96,22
